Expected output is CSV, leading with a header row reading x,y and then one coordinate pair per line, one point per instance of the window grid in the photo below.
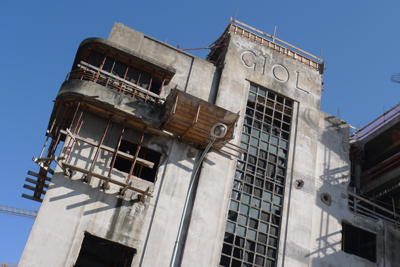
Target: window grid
x,y
253,223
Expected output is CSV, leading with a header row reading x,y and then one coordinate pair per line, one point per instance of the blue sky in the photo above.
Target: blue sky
x,y
359,41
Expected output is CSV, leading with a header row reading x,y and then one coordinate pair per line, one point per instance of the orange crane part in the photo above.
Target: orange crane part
x,y
19,212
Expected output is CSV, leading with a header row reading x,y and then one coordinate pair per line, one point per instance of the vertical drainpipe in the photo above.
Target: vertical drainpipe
x,y
357,176
217,131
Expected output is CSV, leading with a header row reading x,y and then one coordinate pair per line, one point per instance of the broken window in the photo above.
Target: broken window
x,y
139,169
136,73
358,242
99,252
254,216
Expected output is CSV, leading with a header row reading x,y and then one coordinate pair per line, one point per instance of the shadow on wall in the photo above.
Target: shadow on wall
x,y
329,191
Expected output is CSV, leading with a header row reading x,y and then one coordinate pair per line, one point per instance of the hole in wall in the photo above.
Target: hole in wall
x,y
326,198
299,184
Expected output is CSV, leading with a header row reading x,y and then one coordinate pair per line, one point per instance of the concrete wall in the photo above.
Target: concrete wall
x,y
193,75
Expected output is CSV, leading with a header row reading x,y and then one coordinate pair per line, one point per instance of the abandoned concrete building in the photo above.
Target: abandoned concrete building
x,y
155,157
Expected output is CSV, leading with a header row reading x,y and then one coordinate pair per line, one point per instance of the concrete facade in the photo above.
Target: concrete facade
x,y
309,198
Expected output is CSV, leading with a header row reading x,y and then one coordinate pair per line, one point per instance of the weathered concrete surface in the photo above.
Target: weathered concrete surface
x,y
193,75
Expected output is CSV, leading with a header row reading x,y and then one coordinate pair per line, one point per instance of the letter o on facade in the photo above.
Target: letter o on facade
x,y
249,59
280,73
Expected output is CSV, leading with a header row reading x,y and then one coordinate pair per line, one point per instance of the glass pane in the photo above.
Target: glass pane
x,y
274,140
230,227
273,149
254,141
255,133
267,196
284,144
255,213
246,199
256,203
253,88
263,227
264,146
262,92
251,234
277,200
242,220
252,96
234,205
245,138
241,230
244,145
266,206
253,150
265,137
282,153
244,209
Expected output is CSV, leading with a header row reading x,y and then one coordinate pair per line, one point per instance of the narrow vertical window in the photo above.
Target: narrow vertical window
x,y
254,217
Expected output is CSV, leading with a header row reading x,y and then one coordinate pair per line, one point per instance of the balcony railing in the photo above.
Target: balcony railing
x,y
91,73
365,207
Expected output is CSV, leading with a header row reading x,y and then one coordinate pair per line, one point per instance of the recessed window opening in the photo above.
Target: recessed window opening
x,y
99,252
139,170
139,75
358,242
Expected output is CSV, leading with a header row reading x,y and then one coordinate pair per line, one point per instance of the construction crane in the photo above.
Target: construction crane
x,y
19,212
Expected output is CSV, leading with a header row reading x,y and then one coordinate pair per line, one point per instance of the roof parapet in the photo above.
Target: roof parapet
x,y
258,36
